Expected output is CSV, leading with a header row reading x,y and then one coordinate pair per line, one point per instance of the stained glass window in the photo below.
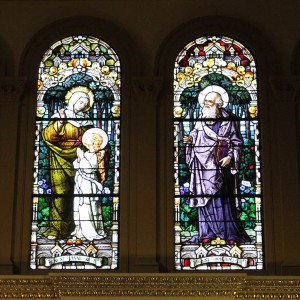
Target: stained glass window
x,y
217,163
77,157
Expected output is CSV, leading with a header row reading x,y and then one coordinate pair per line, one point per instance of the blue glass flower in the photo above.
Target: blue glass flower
x,y
106,190
181,190
186,190
45,186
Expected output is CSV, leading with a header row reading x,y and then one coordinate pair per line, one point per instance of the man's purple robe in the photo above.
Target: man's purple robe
x,y
213,188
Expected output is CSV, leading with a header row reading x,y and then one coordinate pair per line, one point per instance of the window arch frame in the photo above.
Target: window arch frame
x,y
169,49
119,40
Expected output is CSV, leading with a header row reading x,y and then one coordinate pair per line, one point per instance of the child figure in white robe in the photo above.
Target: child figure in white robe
x,y
90,166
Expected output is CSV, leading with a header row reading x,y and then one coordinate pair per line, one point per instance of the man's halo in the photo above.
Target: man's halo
x,y
214,88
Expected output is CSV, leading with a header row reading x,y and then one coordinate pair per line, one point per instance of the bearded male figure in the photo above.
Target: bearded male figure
x,y
213,151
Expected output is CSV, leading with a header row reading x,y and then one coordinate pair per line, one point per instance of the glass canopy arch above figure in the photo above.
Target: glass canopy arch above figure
x,y
217,189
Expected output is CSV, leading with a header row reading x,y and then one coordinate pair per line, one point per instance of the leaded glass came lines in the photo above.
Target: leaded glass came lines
x,y
217,191
77,157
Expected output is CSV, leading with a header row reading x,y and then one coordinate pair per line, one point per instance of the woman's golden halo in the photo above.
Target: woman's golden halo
x,y
82,89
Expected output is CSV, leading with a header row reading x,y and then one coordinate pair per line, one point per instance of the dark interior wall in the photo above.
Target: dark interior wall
x,y
150,22
149,33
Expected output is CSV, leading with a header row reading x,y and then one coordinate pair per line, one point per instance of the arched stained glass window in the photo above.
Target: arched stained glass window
x,y
77,157
217,164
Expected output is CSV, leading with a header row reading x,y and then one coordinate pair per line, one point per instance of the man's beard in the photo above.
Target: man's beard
x,y
210,112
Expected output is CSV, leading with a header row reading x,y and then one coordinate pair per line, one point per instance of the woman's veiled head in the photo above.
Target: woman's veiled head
x,y
79,101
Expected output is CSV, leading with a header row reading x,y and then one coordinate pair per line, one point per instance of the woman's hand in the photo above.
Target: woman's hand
x,y
62,114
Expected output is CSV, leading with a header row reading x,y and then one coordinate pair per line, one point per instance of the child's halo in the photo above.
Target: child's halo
x,y
88,135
